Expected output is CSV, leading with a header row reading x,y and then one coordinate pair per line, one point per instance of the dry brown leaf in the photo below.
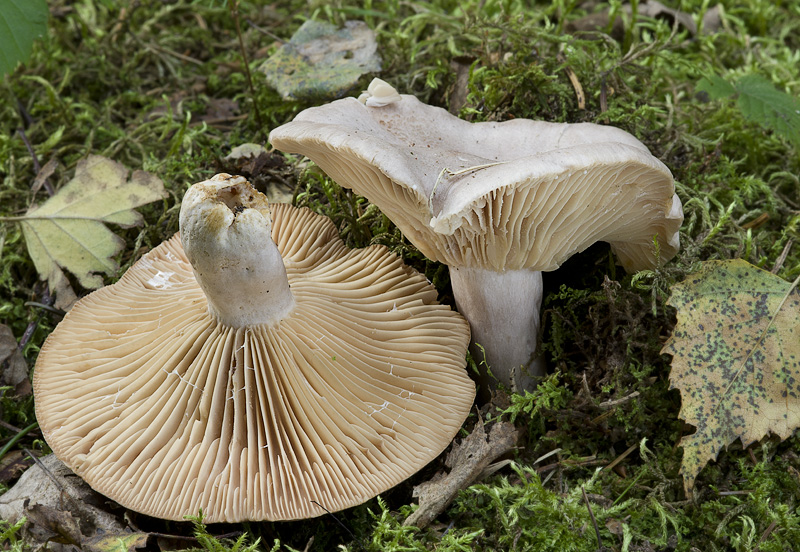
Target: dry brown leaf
x,y
13,368
467,461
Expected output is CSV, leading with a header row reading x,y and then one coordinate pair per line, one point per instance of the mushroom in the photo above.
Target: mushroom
x,y
497,202
253,369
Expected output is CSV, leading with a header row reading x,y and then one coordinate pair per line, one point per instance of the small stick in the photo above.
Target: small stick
x,y
36,166
766,534
621,457
342,525
573,79
42,467
782,258
615,402
594,521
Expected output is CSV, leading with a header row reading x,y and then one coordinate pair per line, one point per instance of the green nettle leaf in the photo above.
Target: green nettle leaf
x,y
68,230
21,22
736,359
759,101
716,87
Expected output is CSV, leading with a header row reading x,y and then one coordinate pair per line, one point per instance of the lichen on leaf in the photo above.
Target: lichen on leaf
x,y
68,230
736,359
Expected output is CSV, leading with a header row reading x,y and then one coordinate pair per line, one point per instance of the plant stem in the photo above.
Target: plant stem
x,y
234,9
16,438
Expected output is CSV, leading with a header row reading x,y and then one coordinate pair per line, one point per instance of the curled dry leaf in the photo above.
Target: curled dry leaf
x,y
736,359
68,230
13,368
51,497
467,461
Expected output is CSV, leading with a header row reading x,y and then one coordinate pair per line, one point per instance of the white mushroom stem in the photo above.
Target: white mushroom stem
x,y
226,231
503,312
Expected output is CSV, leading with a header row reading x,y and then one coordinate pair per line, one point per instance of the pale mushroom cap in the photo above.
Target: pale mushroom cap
x,y
163,409
502,196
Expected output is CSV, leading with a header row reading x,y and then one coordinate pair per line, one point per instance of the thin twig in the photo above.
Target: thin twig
x,y
342,525
594,521
173,53
42,467
265,31
621,457
36,166
615,402
6,425
33,324
766,534
782,257
46,307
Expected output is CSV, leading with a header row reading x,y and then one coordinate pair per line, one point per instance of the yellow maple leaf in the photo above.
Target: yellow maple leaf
x,y
736,359
68,230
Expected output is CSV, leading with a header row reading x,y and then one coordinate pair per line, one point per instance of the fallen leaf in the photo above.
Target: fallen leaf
x,y
322,61
68,230
657,10
467,461
262,168
736,359
44,173
122,542
51,484
13,368
46,524
12,464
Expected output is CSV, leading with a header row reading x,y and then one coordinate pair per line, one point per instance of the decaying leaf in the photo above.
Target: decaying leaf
x,y
467,461
262,168
321,61
13,464
52,499
117,542
736,359
13,368
602,21
68,230
48,524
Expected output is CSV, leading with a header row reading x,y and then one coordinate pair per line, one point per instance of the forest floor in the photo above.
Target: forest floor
x,y
161,86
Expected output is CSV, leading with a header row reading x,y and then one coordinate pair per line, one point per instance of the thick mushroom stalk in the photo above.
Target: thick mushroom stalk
x,y
502,309
226,234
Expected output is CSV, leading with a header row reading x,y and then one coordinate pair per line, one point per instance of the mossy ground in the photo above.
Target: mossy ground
x,y
159,85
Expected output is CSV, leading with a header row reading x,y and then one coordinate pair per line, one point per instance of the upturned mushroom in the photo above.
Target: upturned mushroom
x,y
253,367
497,202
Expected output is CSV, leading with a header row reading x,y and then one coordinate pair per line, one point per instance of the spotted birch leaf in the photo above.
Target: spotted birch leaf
x,y
68,230
736,359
